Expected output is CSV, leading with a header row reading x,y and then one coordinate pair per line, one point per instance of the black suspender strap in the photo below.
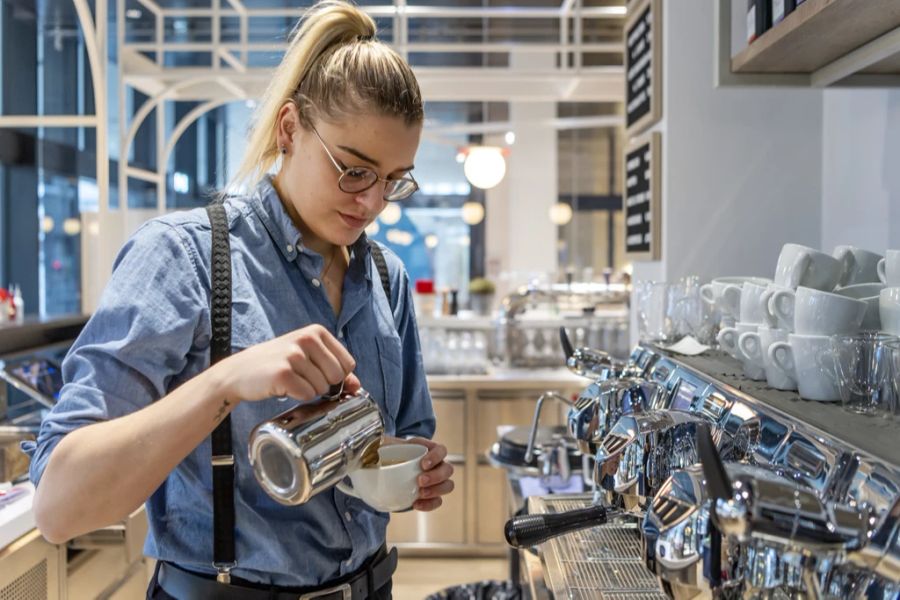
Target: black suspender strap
x,y
220,347
381,265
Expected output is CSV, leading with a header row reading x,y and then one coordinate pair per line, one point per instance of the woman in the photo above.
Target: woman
x,y
340,124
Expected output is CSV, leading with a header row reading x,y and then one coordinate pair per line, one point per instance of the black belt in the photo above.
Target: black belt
x,y
185,585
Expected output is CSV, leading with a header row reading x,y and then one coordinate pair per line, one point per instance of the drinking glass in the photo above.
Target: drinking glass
x,y
862,367
892,349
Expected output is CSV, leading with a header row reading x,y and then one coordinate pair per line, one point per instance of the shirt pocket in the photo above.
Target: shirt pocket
x,y
391,374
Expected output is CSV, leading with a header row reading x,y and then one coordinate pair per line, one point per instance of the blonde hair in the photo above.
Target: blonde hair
x,y
333,67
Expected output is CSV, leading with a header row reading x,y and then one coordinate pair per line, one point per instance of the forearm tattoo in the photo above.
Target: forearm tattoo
x,y
222,410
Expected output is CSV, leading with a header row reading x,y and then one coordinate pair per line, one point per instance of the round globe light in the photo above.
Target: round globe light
x,y
390,215
373,229
472,213
560,213
431,240
485,166
72,226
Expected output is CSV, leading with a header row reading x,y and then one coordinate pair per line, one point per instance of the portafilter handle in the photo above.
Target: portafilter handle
x,y
525,531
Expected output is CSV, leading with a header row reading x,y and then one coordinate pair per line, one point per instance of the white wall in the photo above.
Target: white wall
x,y
742,170
861,169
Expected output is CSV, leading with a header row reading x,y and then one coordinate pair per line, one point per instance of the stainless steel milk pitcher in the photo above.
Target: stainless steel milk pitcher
x,y
311,447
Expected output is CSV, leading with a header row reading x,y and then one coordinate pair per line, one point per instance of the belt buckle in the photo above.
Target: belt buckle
x,y
344,589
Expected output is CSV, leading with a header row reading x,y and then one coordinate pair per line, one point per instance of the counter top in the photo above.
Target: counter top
x,y
37,333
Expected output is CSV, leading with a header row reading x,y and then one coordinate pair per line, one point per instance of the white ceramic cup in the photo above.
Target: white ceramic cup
x,y
857,265
889,310
751,309
868,293
802,266
809,360
889,268
724,293
393,487
755,346
815,312
728,339
772,320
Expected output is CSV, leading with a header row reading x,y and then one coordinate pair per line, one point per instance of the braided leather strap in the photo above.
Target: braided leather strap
x,y
381,265
220,347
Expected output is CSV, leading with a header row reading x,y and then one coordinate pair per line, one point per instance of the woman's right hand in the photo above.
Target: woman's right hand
x,y
302,364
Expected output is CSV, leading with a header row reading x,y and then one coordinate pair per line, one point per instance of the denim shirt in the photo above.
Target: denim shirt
x,y
151,333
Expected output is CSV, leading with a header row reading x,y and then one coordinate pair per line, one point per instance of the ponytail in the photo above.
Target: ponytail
x,y
333,66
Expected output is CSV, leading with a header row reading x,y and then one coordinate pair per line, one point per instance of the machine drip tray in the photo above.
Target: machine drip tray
x,y
602,562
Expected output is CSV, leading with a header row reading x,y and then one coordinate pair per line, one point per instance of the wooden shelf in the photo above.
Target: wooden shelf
x,y
820,32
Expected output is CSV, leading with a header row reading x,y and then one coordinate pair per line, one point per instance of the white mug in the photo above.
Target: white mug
x,y
389,486
889,310
799,265
751,309
889,268
724,293
755,346
809,360
857,265
815,312
770,319
728,339
868,293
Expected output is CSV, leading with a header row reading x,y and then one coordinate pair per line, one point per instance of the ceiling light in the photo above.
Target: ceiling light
x,y
373,229
47,224
510,138
460,157
560,213
391,214
72,226
399,237
431,240
465,241
485,166
133,13
472,213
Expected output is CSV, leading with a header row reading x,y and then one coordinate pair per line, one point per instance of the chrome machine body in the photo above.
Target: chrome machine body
x,y
805,501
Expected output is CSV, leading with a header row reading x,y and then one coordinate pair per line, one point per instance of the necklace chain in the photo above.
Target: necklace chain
x,y
330,262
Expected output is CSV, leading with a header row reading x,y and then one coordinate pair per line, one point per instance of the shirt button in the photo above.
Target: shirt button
x,y
316,282
348,516
289,248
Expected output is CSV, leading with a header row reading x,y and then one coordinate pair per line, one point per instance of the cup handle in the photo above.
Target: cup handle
x,y
731,299
348,490
848,262
727,339
775,305
827,363
751,347
764,306
707,294
785,364
879,268
800,267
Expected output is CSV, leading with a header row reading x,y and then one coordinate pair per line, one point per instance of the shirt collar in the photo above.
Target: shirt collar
x,y
271,211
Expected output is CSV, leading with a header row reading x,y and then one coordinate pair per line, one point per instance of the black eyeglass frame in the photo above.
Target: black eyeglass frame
x,y
391,183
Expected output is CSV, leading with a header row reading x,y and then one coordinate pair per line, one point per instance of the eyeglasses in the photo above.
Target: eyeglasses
x,y
355,180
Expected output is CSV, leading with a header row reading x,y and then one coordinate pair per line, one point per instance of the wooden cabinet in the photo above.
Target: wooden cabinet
x,y
450,414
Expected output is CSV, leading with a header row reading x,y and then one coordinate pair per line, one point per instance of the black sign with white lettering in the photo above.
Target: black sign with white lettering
x,y
639,67
638,199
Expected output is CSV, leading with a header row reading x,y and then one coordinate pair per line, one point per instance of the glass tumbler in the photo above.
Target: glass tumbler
x,y
862,367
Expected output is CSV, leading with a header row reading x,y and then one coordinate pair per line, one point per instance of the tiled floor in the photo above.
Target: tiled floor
x,y
416,578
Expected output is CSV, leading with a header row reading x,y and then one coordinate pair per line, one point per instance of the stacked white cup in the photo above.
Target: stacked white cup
x,y
889,297
751,319
808,312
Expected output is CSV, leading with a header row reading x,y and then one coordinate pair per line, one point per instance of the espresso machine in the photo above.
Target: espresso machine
x,y
717,486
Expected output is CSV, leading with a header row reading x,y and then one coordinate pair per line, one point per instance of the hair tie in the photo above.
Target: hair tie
x,y
365,38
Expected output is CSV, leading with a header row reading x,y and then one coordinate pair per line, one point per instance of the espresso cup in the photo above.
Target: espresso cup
x,y
724,293
857,265
889,310
755,346
770,319
868,293
815,312
392,484
751,310
889,268
808,359
802,266
728,339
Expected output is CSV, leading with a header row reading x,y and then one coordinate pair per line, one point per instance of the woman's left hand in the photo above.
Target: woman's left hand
x,y
434,481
